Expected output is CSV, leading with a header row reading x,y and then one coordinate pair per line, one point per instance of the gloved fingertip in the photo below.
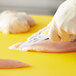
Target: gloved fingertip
x,y
54,36
55,39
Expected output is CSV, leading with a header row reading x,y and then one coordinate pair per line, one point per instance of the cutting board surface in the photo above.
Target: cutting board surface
x,y
41,64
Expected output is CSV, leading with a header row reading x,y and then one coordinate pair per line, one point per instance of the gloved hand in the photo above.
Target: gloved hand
x,y
63,25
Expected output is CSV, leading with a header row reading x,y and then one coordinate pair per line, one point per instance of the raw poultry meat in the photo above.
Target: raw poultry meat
x,y
47,45
10,64
12,22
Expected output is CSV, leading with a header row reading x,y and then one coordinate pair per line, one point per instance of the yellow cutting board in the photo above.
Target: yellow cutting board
x,y
41,64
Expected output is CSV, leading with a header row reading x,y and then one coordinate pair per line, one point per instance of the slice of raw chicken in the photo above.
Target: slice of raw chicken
x,y
47,45
10,64
15,22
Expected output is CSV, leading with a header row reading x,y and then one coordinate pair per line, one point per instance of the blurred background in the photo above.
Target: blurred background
x,y
41,7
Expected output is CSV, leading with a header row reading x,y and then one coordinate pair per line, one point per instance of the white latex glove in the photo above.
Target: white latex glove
x,y
63,25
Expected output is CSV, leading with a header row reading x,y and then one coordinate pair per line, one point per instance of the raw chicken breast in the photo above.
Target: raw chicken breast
x,y
15,22
48,46
10,64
